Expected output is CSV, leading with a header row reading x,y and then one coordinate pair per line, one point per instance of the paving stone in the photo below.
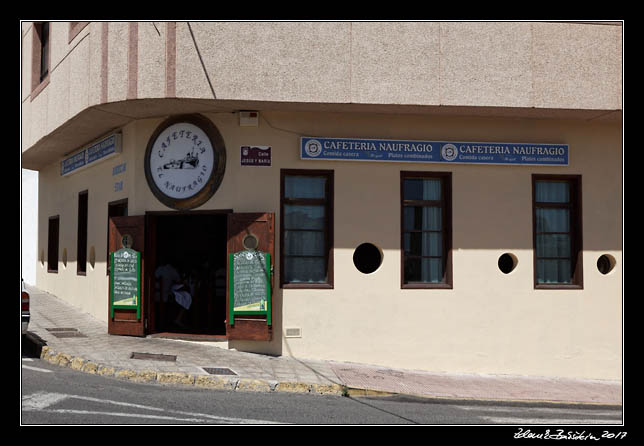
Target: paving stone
x,y
108,355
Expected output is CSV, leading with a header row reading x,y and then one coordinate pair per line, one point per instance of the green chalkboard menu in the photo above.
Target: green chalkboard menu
x,y
125,280
249,284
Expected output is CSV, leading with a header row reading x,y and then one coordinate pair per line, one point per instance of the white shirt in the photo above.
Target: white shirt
x,y
166,276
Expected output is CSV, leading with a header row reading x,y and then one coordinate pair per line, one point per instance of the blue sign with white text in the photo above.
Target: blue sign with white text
x,y
73,163
94,153
101,149
349,149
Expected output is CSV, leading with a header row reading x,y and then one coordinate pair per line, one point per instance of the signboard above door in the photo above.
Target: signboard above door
x,y
349,149
185,161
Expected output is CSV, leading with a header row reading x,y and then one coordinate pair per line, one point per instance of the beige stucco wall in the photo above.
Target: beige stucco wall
x,y
488,323
59,196
528,65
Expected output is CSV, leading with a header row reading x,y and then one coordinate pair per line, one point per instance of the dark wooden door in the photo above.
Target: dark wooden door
x,y
261,226
125,321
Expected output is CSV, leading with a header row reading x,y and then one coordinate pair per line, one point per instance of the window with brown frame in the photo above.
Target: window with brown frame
x,y
81,240
306,228
556,205
52,244
40,64
426,221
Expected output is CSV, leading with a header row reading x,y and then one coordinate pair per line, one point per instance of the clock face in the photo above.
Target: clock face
x,y
184,162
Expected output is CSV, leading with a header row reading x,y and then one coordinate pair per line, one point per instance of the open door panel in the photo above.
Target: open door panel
x,y
129,232
259,229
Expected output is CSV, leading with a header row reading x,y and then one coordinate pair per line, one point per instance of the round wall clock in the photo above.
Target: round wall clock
x,y
185,161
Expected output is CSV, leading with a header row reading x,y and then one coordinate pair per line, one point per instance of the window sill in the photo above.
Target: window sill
x,y
558,287
307,286
426,286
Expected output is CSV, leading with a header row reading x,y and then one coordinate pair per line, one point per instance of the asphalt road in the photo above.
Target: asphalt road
x,y
62,396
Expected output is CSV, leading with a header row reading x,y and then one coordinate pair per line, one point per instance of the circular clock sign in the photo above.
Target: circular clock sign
x,y
185,161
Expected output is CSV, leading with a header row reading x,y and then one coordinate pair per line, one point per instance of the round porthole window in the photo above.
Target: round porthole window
x,y
507,262
367,258
605,263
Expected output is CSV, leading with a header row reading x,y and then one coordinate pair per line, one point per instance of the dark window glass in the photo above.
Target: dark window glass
x,y
52,244
425,228
305,227
557,242
81,244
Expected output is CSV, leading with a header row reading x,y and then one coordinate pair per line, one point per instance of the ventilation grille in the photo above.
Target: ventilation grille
x,y
219,371
69,334
293,332
153,356
66,332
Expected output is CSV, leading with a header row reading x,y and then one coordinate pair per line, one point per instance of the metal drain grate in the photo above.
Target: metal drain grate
x,y
219,371
66,332
69,334
153,356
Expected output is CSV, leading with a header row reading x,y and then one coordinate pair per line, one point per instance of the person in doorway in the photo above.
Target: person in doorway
x,y
183,298
166,278
196,291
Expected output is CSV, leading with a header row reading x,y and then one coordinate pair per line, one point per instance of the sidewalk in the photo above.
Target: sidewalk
x,y
77,340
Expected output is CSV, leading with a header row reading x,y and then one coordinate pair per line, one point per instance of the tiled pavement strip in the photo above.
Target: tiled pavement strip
x,y
97,352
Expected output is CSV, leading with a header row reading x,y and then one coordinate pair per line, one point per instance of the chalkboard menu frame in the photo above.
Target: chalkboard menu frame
x,y
136,306
231,291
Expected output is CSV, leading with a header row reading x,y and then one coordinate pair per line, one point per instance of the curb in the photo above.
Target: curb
x,y
351,391
186,379
237,384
